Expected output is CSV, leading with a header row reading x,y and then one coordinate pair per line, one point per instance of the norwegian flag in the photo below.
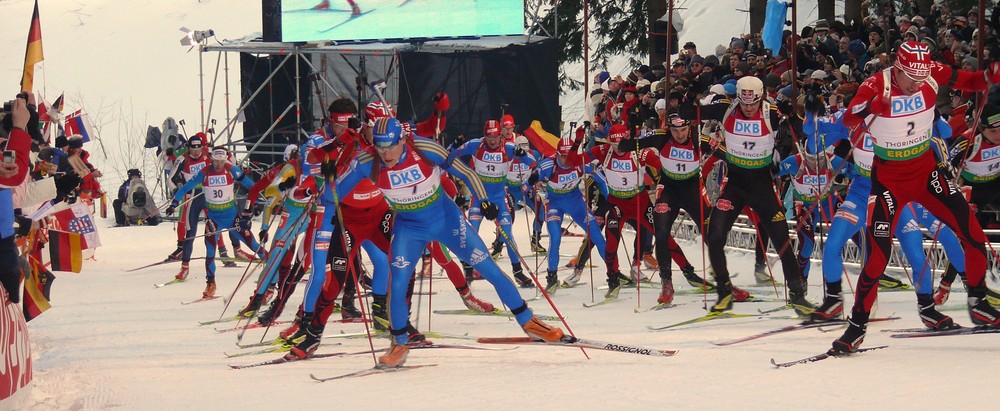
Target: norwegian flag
x,y
79,124
78,219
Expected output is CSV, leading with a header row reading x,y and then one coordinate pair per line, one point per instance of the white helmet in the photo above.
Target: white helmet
x,y
290,150
749,89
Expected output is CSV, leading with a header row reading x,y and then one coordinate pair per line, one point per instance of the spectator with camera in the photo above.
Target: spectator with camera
x,y
16,142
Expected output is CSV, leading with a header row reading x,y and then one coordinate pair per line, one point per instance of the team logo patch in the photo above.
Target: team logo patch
x,y
847,215
339,264
477,257
400,262
881,229
724,204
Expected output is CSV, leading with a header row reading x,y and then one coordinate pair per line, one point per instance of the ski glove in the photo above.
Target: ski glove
x,y
461,201
262,236
243,222
627,144
519,152
173,206
489,210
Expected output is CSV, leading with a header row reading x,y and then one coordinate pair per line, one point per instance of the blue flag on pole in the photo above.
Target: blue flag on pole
x,y
774,24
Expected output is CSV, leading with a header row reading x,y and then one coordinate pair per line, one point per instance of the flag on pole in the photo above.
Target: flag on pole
x,y
33,52
78,124
37,286
65,251
78,219
541,140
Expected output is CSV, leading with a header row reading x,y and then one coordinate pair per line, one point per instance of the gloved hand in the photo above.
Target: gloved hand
x,y
814,102
627,144
519,152
993,72
66,183
457,143
533,178
262,235
461,201
243,221
288,183
278,209
329,169
878,105
441,102
489,210
173,207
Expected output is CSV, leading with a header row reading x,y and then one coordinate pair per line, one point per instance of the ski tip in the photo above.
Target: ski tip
x,y
775,363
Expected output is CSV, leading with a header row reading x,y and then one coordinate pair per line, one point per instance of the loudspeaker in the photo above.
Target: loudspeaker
x,y
271,24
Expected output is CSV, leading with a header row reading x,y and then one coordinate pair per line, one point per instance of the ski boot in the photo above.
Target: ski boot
x,y
296,332
538,329
323,5
551,281
536,245
649,261
573,279
270,314
930,316
666,293
355,10
183,274
760,274
886,282
797,299
414,335
395,356
980,310
522,280
695,280
348,310
638,277
740,295
725,301
255,302
942,293
178,254
245,255
473,303
852,338
209,289
615,283
832,307
227,261
572,263
305,348
496,248
380,318
992,297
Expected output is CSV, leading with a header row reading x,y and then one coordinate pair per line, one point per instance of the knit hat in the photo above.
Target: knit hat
x,y
696,59
719,89
973,61
711,61
738,43
856,46
661,104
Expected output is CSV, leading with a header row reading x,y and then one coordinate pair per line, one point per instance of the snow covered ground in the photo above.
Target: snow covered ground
x,y
113,341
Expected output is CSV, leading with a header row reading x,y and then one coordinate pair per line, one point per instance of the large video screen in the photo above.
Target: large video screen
x,y
319,20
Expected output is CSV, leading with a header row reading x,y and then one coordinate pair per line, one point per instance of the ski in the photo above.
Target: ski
x,y
567,285
284,359
657,307
249,326
236,317
200,300
275,341
801,326
982,329
496,312
382,334
349,19
706,317
370,371
276,348
601,302
644,284
823,356
171,282
569,341
167,261
317,11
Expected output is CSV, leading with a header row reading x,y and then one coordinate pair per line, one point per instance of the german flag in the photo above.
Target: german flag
x,y
37,285
65,251
541,140
33,52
